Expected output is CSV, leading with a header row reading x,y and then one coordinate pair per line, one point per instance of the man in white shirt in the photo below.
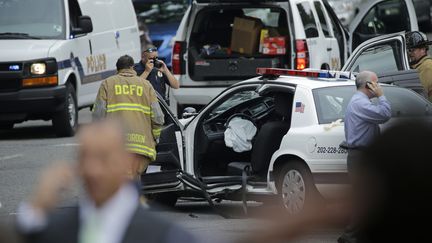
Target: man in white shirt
x,y
109,213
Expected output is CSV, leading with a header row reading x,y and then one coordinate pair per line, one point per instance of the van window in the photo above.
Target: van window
x,y
332,102
268,16
38,19
322,19
74,13
308,19
339,35
380,58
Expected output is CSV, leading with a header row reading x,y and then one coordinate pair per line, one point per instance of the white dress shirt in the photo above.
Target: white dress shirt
x,y
115,215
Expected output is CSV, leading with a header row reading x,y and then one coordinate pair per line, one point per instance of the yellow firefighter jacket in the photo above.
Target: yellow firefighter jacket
x,y
424,67
132,99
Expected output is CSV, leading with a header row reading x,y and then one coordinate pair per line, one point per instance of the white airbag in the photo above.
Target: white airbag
x,y
239,134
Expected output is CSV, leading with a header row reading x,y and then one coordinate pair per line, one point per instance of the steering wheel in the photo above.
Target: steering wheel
x,y
241,115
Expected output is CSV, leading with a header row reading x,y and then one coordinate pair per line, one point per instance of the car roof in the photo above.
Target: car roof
x,y
306,82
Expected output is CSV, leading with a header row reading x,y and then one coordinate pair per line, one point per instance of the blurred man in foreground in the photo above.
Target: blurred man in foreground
x,y
110,212
393,194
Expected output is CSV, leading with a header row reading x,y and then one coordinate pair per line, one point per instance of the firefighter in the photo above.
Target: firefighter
x,y
418,46
133,101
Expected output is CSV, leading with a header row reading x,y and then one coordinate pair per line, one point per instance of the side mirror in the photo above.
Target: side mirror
x,y
189,112
85,26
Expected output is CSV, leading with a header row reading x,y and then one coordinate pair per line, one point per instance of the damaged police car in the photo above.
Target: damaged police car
x,y
296,122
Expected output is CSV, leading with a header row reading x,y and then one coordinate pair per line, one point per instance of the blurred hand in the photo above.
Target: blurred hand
x,y
149,66
52,182
375,88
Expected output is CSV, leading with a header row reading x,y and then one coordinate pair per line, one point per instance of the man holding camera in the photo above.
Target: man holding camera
x,y
156,72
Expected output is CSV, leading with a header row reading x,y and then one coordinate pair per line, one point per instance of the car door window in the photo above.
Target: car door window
x,y
322,19
384,57
308,19
384,18
332,102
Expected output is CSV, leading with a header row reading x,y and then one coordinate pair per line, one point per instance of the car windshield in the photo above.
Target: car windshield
x,y
160,12
331,102
22,19
235,100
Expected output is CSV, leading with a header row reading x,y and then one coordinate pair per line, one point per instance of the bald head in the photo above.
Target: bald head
x,y
103,159
364,77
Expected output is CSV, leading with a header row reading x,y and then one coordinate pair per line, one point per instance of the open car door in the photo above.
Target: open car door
x,y
161,175
387,57
381,54
380,17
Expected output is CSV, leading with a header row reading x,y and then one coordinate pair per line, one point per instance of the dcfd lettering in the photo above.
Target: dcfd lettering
x,y
128,89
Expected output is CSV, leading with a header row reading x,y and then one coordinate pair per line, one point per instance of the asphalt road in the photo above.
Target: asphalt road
x,y
31,146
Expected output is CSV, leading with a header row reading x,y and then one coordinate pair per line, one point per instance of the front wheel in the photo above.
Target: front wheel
x,y
66,121
295,186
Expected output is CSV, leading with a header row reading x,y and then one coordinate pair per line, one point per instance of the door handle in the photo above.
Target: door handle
x,y
329,49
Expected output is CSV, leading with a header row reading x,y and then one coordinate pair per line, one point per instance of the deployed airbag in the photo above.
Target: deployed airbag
x,y
239,134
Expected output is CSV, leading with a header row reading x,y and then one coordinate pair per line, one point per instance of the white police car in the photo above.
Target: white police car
x,y
295,153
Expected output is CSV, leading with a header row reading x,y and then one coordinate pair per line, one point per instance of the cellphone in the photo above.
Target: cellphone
x,y
367,84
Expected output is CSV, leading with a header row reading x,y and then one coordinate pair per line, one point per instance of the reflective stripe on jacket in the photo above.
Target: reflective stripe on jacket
x,y
132,99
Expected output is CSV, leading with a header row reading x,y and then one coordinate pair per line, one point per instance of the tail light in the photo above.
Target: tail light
x,y
178,63
302,55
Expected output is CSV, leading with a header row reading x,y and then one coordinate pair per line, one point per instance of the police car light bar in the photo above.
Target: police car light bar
x,y
305,73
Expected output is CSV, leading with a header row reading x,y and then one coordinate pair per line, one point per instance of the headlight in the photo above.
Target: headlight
x,y
38,68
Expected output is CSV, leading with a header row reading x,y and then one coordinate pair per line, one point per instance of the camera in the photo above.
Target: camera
x,y
157,64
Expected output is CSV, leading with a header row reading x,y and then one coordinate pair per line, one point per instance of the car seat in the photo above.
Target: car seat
x,y
267,141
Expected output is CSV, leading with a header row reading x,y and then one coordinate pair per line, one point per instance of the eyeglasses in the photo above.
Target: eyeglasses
x,y
152,49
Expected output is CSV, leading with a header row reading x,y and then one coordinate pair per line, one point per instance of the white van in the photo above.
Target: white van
x,y
54,55
314,38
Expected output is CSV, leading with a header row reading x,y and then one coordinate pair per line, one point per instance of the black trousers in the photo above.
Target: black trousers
x,y
354,160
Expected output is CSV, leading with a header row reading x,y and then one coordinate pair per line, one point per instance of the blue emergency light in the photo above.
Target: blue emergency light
x,y
14,68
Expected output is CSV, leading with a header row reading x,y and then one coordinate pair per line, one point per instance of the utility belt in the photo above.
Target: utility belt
x,y
348,147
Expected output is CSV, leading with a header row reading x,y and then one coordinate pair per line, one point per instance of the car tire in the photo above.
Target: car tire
x,y
65,122
296,189
166,199
6,126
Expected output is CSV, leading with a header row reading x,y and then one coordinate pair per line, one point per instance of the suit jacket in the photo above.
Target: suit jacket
x,y
145,226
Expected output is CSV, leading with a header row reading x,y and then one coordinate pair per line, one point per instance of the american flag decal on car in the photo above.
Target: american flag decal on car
x,y
299,107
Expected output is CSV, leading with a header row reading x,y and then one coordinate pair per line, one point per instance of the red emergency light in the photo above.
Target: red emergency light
x,y
287,72
299,73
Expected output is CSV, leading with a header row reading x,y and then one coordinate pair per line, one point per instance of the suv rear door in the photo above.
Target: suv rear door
x,y
380,17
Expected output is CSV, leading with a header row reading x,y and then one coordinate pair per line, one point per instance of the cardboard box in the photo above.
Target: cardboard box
x,y
274,46
245,35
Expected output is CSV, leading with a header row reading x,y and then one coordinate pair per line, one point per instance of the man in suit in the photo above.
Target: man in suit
x,y
109,212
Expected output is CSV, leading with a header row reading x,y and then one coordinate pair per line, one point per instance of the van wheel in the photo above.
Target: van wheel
x,y
66,121
295,186
165,199
6,126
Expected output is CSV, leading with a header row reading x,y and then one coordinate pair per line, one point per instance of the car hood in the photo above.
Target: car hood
x,y
21,50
